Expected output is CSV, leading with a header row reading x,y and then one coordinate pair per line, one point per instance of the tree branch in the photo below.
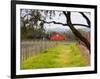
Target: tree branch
x,y
63,23
75,31
87,19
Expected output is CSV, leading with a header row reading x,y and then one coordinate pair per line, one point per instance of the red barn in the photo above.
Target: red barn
x,y
57,37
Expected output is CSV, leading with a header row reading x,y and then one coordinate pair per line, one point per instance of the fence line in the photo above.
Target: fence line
x,y
30,48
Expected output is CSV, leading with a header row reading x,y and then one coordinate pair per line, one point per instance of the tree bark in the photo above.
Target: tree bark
x,y
74,30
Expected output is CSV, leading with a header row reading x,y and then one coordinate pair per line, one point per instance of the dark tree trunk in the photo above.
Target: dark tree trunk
x,y
74,30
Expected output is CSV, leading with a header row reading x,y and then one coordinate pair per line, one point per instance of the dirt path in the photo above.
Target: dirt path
x,y
85,54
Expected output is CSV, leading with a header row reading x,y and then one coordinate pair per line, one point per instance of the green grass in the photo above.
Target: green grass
x,y
57,57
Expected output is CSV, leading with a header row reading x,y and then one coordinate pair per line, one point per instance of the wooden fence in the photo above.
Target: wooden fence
x,y
30,48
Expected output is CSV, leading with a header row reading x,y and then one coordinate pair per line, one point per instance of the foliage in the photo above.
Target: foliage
x,y
31,33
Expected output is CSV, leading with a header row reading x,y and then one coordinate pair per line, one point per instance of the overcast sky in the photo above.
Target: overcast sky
x,y
76,18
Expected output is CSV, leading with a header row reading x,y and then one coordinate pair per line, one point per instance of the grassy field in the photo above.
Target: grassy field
x,y
58,57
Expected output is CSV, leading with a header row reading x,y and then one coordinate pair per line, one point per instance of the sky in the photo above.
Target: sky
x,y
76,18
